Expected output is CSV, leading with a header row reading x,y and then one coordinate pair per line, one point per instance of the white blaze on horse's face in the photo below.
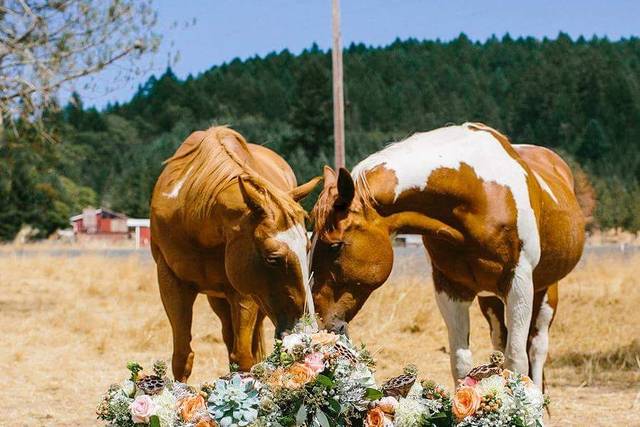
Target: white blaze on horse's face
x,y
296,240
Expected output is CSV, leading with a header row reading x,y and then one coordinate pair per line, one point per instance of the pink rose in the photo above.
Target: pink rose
x,y
142,408
315,362
468,381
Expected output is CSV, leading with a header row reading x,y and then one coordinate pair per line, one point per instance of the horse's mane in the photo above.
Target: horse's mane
x,y
328,196
209,162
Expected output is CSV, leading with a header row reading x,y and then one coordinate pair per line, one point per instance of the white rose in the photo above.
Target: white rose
x,y
290,341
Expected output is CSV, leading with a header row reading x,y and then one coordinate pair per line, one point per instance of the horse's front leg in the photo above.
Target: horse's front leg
x,y
455,312
518,312
244,314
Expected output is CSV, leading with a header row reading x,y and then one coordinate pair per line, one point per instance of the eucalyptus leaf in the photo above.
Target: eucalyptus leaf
x,y
301,415
322,418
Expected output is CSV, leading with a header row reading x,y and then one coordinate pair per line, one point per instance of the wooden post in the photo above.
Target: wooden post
x,y
338,94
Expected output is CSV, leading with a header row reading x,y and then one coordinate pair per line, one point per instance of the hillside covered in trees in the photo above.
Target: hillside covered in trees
x,y
579,97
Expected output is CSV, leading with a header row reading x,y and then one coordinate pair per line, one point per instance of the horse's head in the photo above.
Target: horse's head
x,y
352,253
267,255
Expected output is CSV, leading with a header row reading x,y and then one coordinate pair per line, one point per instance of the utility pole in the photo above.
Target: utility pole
x,y
338,93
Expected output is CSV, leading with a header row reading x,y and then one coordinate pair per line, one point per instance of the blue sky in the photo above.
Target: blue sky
x,y
226,29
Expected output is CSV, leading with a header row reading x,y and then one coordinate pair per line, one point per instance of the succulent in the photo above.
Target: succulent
x,y
160,368
234,402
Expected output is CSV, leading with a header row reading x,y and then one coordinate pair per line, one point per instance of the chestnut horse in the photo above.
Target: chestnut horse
x,y
225,222
498,221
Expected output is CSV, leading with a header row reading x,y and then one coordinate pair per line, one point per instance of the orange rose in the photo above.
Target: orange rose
x,y
299,375
465,402
324,338
375,418
192,406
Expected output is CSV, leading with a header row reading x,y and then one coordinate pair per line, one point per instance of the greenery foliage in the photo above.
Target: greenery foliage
x,y
579,97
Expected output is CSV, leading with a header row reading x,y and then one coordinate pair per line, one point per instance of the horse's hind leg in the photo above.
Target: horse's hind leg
x,y
221,307
493,311
177,298
545,304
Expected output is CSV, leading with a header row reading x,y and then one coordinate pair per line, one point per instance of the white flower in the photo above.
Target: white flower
x,y
165,408
494,384
410,413
128,387
292,340
362,375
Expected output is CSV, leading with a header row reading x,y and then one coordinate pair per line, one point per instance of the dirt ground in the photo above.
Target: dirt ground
x,y
70,324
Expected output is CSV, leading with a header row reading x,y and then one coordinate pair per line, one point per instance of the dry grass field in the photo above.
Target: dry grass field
x,y
69,325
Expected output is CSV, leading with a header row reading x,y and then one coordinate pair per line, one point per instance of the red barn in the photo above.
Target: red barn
x,y
108,225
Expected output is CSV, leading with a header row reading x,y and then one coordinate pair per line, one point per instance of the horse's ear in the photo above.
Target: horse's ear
x,y
302,191
346,189
252,195
329,175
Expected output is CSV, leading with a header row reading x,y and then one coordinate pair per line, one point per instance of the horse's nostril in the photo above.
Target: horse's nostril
x,y
341,328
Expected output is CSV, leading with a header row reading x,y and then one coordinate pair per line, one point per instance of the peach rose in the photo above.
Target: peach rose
x,y
299,375
465,402
375,418
206,422
324,338
315,361
388,404
192,406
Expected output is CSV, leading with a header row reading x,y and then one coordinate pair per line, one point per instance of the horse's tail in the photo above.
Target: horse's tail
x,y
585,193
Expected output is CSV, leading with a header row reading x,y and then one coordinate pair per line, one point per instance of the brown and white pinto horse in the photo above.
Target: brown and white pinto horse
x,y
498,221
225,223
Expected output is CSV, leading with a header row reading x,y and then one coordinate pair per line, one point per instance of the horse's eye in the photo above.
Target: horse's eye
x,y
273,259
336,246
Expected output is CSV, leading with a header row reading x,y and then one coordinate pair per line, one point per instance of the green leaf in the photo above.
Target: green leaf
x,y
373,394
322,418
335,406
301,415
325,381
154,421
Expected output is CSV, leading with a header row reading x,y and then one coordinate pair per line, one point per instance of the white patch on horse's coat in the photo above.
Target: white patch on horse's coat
x,y
456,316
518,311
416,158
540,341
295,238
545,186
175,191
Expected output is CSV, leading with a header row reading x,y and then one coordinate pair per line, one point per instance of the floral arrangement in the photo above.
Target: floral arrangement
x,y
320,379
492,396
154,400
311,378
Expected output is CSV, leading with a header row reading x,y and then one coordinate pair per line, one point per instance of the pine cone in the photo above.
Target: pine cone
x,y
151,384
